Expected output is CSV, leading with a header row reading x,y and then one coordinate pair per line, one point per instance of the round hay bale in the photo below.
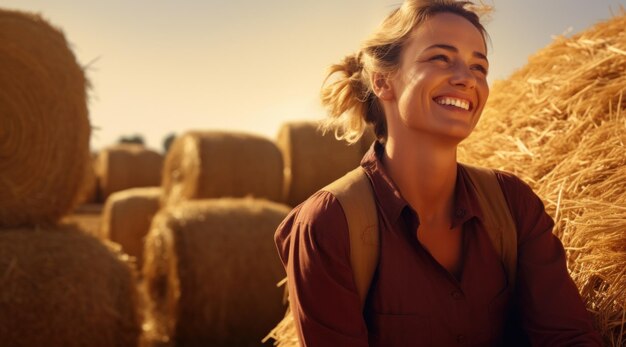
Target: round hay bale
x,y
44,122
126,166
560,123
211,268
314,159
127,216
202,165
63,288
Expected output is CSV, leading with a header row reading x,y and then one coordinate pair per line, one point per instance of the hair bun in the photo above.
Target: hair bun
x,y
353,64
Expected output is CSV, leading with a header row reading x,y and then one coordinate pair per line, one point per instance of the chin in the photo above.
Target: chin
x,y
456,137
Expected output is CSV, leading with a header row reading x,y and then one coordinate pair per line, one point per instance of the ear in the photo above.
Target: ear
x,y
381,85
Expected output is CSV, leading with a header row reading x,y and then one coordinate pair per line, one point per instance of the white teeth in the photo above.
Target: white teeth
x,y
454,102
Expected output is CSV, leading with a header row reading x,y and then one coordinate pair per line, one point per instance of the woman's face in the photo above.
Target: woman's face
x,y
440,87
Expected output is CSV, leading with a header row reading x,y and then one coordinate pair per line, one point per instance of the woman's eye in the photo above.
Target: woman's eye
x,y
440,58
480,68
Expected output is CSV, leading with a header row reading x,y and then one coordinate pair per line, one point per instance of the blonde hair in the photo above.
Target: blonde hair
x,y
349,97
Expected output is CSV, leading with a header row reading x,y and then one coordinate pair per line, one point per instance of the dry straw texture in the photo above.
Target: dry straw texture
x,y
126,166
204,165
44,123
63,288
314,159
211,270
560,124
127,216
284,334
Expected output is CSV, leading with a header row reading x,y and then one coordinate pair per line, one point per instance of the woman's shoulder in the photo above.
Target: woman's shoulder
x,y
320,220
515,189
527,208
321,208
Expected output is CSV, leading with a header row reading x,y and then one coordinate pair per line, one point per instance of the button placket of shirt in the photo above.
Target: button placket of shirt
x,y
460,213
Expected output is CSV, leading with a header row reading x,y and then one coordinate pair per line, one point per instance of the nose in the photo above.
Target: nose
x,y
463,77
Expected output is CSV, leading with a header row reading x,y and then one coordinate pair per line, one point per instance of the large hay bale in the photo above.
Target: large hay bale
x,y
314,159
44,122
560,123
126,166
202,165
127,217
211,270
64,288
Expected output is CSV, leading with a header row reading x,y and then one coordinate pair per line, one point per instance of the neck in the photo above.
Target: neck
x,y
425,173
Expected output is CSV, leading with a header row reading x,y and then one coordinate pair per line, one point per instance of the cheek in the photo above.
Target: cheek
x,y
416,91
484,86
483,93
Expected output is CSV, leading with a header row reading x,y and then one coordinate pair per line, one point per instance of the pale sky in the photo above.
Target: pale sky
x,y
160,66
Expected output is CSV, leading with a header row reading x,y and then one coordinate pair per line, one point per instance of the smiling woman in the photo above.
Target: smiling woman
x,y
441,82
441,276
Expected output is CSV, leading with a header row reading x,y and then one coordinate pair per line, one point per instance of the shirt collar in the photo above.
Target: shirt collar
x,y
389,198
391,201
466,204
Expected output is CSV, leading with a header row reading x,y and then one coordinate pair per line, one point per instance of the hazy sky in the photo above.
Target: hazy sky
x,y
159,66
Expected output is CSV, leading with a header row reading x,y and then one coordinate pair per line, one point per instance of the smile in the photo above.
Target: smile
x,y
451,101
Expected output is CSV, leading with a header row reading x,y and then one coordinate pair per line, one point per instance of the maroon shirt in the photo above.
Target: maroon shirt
x,y
413,300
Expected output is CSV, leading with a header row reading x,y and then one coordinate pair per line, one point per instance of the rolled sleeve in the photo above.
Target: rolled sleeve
x,y
313,244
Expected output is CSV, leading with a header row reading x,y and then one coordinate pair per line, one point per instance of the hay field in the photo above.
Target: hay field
x,y
559,123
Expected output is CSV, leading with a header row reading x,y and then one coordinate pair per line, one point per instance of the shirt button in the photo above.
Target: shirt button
x,y
460,213
460,338
457,295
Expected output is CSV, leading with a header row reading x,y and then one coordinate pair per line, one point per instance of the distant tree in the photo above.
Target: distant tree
x,y
136,138
167,142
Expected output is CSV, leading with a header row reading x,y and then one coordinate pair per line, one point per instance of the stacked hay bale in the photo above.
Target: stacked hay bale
x,y
314,159
560,124
210,265
211,271
128,165
59,287
127,217
45,130
222,164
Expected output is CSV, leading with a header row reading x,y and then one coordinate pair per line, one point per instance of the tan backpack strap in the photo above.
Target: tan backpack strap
x,y
355,194
498,219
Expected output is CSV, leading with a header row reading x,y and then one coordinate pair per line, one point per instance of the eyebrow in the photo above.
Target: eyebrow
x,y
455,50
